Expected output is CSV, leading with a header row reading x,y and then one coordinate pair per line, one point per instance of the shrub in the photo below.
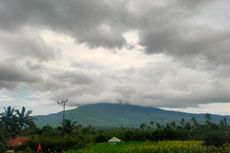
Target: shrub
x,y
55,143
100,138
2,147
217,139
170,134
128,136
3,137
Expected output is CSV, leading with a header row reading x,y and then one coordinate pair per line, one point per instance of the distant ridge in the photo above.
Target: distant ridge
x,y
117,115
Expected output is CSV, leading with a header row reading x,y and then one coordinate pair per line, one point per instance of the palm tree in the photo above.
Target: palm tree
x,y
24,119
194,123
8,118
182,122
208,119
225,121
68,126
151,124
143,126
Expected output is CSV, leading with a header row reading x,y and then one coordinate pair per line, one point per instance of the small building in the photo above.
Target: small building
x,y
114,140
17,142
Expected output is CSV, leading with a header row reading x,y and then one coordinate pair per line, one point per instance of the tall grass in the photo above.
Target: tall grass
x,y
153,147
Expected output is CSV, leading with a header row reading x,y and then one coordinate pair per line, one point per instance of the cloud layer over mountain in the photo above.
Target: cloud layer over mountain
x,y
168,53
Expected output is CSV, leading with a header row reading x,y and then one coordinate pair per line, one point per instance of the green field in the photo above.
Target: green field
x,y
152,147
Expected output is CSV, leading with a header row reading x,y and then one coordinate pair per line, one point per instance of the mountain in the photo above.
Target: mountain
x,y
117,115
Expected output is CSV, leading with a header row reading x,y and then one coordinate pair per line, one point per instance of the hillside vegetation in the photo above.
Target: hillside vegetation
x,y
119,115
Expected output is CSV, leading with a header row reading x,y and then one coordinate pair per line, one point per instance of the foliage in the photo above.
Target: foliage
x,y
217,138
3,137
47,130
56,143
67,126
15,121
8,118
170,134
214,136
101,138
24,119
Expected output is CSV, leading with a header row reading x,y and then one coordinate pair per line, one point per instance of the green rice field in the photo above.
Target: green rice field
x,y
152,147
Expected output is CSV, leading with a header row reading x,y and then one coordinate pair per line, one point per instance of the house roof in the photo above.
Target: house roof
x,y
17,141
114,139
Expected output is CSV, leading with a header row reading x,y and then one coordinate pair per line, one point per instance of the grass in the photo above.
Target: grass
x,y
149,147
152,147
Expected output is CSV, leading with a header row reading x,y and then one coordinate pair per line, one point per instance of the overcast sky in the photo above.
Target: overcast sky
x,y
163,53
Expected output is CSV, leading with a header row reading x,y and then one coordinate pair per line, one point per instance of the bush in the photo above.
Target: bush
x,y
2,147
3,138
55,143
217,139
100,138
128,136
170,134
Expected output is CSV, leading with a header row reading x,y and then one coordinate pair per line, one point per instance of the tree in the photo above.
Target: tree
x,y
8,118
194,123
173,124
143,126
100,138
182,122
48,130
158,126
187,126
3,137
151,124
208,119
15,120
24,119
225,121
218,139
68,126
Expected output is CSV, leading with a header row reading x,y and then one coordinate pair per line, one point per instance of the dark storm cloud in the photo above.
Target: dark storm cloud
x,y
22,44
162,28
11,75
191,64
181,43
171,30
92,22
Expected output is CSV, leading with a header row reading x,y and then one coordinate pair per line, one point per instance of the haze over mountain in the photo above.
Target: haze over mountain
x,y
119,115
